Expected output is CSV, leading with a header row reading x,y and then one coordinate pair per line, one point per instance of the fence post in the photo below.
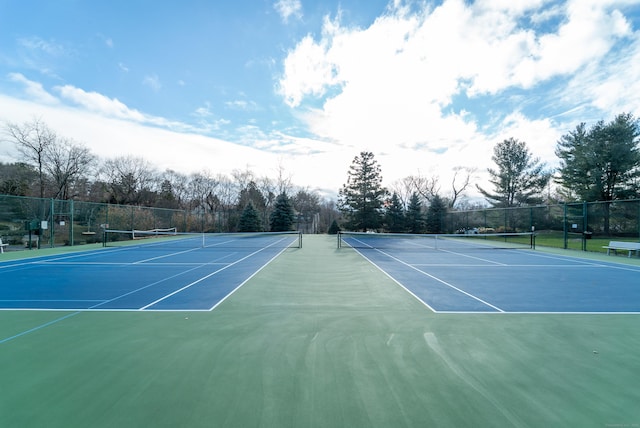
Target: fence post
x,y
585,224
531,225
565,232
71,209
52,223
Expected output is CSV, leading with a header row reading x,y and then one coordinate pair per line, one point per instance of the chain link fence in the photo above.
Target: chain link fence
x,y
586,226
27,223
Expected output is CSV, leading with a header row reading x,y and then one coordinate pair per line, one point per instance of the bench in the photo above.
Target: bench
x,y
2,245
622,245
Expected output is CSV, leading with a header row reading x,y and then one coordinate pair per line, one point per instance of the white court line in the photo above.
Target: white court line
x,y
594,263
131,264
246,280
149,285
36,328
430,276
507,266
214,273
473,257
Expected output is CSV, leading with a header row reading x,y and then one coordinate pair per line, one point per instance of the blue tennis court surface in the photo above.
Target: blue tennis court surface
x,y
168,275
496,280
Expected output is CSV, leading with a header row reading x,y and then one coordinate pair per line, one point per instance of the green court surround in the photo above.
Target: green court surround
x,y
319,338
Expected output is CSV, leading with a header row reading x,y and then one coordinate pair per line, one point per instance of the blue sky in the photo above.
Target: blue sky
x,y
304,86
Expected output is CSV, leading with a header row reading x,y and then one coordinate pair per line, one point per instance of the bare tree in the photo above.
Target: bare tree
x,y
130,180
242,179
174,187
284,182
307,204
198,188
228,195
424,186
403,188
32,140
66,162
461,180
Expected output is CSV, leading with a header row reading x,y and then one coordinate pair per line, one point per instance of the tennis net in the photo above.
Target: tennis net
x,y
451,242
172,239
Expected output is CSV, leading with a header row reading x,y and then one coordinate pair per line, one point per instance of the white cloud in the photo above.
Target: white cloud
x,y
478,48
394,88
307,71
116,136
152,81
540,135
39,45
242,105
288,8
34,90
390,88
113,108
98,103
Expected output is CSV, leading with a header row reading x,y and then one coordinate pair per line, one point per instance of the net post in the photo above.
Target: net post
x,y
533,237
339,238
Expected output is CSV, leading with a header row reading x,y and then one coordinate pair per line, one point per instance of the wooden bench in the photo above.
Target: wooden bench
x,y
622,245
2,245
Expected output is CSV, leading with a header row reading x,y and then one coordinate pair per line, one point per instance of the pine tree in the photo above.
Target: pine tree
x,y
250,219
334,228
414,217
394,216
282,216
520,178
436,214
362,197
602,163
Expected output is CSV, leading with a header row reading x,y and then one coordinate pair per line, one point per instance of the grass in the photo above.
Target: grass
x,y
576,241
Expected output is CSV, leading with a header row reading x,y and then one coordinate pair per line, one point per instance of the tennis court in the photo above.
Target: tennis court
x,y
155,272
315,336
498,273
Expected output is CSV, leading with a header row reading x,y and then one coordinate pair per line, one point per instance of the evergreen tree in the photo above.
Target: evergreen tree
x,y
414,218
436,215
362,197
334,228
602,163
519,180
250,219
282,216
394,216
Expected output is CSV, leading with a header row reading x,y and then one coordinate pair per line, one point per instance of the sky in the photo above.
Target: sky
x,y
304,86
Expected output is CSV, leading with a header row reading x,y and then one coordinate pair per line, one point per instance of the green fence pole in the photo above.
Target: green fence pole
x,y
71,240
52,224
564,226
585,224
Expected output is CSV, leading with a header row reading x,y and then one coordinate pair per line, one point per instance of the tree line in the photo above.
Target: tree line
x,y
51,166
600,163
